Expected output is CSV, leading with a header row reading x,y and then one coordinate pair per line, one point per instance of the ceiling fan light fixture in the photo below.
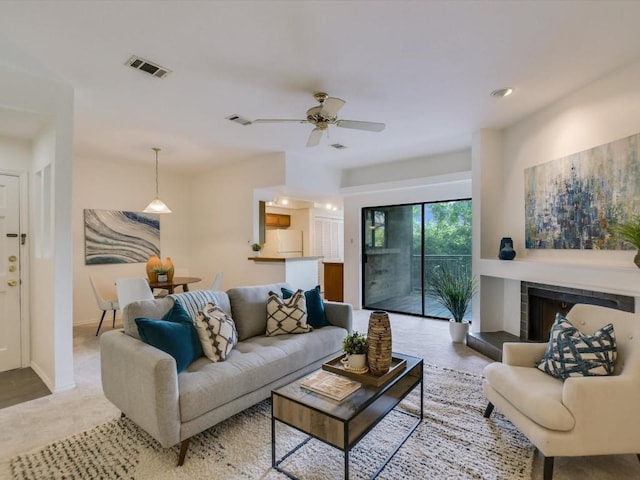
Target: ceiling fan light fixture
x,y
157,205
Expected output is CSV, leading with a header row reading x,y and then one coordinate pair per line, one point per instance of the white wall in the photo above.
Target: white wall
x,y
604,111
224,215
15,154
116,186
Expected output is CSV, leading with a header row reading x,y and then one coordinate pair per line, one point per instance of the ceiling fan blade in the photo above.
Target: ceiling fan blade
x,y
359,125
314,138
279,120
331,106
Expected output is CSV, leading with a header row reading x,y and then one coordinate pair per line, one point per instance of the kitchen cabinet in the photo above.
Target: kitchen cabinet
x,y
277,220
333,281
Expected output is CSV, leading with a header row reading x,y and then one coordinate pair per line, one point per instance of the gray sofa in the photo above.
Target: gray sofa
x,y
142,381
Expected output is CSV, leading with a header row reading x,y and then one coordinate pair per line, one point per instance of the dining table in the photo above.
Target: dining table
x,y
170,285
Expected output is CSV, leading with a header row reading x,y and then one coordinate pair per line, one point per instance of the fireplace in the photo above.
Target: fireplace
x,y
540,303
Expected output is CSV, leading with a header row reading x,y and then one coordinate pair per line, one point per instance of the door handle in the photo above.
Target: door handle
x,y
12,283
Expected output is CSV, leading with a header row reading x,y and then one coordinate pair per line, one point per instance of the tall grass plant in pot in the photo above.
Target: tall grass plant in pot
x,y
630,233
454,291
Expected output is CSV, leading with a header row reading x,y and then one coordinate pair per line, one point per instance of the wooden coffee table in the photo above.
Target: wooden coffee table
x,y
343,425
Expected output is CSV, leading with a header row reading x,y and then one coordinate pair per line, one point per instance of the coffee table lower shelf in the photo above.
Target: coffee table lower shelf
x,y
341,426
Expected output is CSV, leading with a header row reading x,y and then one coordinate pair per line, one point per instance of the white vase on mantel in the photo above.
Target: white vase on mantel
x,y
458,331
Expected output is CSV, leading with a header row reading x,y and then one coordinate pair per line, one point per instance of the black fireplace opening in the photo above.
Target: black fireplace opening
x,y
540,304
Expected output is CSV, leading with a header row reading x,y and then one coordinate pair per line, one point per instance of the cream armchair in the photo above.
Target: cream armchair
x,y
582,415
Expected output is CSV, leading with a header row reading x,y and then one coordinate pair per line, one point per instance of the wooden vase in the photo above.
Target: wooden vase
x,y
153,262
169,263
379,338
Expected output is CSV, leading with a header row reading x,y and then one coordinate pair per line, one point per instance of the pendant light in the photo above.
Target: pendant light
x,y
156,205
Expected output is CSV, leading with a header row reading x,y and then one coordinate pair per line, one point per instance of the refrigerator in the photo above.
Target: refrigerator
x,y
283,243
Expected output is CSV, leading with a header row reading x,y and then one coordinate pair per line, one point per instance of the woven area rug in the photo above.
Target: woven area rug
x,y
454,441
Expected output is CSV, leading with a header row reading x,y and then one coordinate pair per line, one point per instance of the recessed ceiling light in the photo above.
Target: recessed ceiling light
x,y
502,92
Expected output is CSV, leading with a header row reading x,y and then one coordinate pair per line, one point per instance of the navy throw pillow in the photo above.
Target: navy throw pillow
x,y
174,334
316,316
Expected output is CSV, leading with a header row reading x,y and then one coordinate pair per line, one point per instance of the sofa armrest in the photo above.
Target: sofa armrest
x,y
339,314
142,381
522,354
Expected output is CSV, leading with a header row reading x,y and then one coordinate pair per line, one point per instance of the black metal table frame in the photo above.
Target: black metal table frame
x,y
275,463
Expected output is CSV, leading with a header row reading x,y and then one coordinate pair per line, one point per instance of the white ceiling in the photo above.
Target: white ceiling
x,y
425,68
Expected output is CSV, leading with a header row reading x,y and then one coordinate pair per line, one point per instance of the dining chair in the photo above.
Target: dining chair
x,y
217,282
106,296
132,289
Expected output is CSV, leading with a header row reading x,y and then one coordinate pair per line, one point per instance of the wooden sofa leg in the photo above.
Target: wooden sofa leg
x,y
488,410
548,468
638,455
184,446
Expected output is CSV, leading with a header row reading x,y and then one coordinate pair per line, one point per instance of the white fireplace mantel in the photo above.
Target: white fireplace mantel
x,y
622,280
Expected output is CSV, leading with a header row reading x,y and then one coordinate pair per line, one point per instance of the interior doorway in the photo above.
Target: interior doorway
x,y
402,245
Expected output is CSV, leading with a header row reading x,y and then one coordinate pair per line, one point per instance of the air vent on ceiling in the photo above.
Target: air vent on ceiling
x,y
337,146
238,119
147,66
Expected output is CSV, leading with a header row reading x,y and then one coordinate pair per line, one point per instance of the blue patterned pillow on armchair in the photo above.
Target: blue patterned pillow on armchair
x,y
571,353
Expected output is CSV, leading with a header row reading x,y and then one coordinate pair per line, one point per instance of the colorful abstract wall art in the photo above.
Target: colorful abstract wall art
x,y
570,203
113,236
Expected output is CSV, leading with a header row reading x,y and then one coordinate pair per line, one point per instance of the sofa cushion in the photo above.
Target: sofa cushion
x,y
570,353
143,308
287,316
536,395
217,332
252,364
249,308
316,316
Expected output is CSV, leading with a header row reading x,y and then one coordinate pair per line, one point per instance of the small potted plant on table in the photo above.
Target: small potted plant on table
x,y
355,347
162,272
256,247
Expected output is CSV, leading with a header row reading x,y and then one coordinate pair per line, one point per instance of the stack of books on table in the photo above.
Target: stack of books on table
x,y
332,386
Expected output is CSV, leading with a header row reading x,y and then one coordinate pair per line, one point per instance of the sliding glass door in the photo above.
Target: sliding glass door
x,y
401,247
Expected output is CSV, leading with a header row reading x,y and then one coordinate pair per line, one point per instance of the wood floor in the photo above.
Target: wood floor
x,y
20,385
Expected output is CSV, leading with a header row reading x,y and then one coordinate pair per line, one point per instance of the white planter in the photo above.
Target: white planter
x,y
356,361
458,331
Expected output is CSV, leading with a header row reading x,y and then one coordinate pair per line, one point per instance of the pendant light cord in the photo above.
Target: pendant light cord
x,y
156,149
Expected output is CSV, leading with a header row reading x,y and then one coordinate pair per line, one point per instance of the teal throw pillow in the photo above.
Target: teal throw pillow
x,y
174,334
316,316
172,338
179,314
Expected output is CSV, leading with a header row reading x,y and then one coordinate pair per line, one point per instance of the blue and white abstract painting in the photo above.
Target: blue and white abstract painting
x,y
114,236
571,203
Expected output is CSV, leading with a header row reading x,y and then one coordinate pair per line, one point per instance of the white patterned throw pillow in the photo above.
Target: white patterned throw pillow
x,y
287,316
217,332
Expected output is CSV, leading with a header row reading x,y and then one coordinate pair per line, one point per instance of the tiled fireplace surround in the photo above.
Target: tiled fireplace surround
x,y
539,303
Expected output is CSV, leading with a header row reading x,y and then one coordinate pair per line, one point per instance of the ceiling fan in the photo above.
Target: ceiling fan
x,y
323,115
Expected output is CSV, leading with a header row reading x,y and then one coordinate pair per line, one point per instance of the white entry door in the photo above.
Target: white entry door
x,y
10,352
